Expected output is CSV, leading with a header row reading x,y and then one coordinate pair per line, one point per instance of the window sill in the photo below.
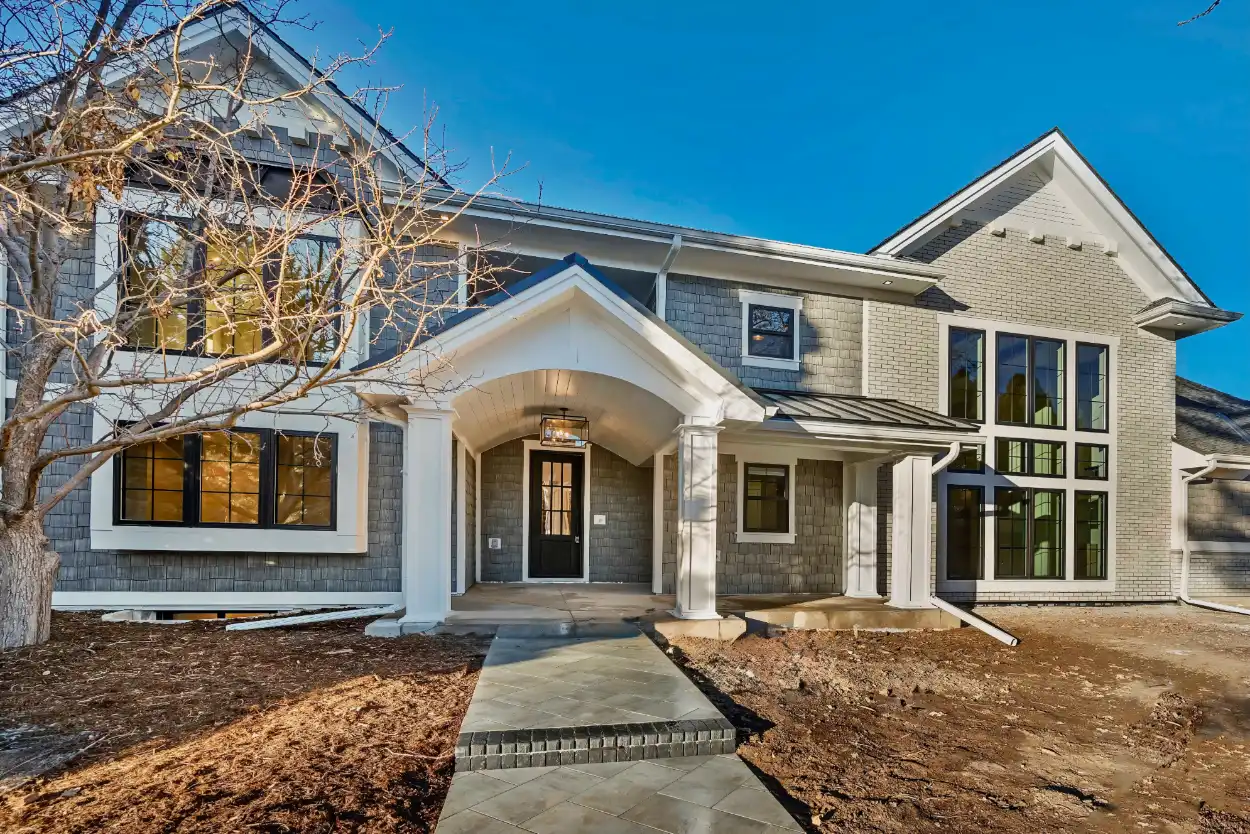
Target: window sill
x,y
766,362
226,540
1027,585
764,538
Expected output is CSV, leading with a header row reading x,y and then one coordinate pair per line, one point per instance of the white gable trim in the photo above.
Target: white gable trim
x,y
1121,233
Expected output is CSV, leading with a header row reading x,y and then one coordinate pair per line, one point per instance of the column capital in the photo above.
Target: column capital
x,y
697,428
427,410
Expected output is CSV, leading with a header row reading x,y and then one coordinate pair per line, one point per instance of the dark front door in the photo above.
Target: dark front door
x,y
555,515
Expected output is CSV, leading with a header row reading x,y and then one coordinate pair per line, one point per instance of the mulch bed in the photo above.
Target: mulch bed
x,y
187,727
952,731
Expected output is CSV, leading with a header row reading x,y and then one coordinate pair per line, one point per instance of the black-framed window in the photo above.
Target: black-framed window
x,y
770,332
967,374
1089,513
152,481
1093,387
1030,381
228,319
766,498
1040,458
971,459
1091,461
1029,533
246,478
965,552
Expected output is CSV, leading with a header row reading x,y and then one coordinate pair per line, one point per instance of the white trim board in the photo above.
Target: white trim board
x,y
531,445
787,456
229,600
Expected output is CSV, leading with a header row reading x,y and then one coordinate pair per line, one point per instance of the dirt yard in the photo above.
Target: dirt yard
x,y
188,728
1103,719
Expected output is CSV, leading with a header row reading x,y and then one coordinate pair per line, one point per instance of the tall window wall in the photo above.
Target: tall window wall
x,y
1037,502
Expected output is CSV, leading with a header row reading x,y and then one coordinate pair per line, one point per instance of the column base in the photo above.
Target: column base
x,y
694,615
863,595
908,606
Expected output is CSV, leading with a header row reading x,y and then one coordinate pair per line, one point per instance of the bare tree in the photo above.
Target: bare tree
x,y
240,261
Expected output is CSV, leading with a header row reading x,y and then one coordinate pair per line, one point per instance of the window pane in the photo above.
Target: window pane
x,y
1011,533
230,477
766,508
1011,457
1091,535
967,359
308,287
1047,382
1013,380
969,460
964,553
1048,458
1048,532
1091,461
234,301
770,332
158,253
304,469
152,481
1092,387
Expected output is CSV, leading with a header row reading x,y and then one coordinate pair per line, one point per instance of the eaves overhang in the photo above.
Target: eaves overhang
x,y
1182,318
618,241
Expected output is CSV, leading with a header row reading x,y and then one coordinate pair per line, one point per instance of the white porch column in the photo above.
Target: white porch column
x,y
860,573
427,516
912,541
696,521
657,524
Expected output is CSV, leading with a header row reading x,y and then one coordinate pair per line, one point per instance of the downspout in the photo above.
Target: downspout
x,y
1183,596
661,278
954,610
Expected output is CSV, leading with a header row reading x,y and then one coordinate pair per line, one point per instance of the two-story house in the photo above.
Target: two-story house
x,y
979,408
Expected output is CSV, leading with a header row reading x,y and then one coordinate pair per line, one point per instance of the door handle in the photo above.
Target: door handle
x,y
577,540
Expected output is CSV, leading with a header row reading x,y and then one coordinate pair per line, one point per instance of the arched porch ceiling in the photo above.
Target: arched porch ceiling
x,y
624,418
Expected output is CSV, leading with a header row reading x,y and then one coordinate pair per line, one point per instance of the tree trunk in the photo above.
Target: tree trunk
x,y
27,573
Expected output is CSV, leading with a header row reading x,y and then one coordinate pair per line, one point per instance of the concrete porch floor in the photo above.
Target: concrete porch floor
x,y
574,604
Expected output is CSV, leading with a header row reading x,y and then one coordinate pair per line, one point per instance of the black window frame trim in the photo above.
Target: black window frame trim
x,y
1029,392
1106,534
981,515
789,499
1077,380
984,367
794,331
1106,447
197,308
1030,523
191,494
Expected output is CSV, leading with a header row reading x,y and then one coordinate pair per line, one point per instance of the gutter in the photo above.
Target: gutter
x,y
1213,463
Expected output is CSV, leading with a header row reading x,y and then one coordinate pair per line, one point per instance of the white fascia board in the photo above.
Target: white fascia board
x,y
692,239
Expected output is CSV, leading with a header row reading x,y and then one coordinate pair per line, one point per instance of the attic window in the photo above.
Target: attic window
x,y
770,330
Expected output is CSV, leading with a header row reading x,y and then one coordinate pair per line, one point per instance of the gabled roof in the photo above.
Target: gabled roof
x,y
1210,421
233,17
546,274
1053,155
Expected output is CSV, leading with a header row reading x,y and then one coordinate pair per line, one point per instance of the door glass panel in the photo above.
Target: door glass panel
x,y
556,490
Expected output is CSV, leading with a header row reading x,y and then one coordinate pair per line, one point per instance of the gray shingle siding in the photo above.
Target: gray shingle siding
x,y
378,570
708,312
620,551
501,512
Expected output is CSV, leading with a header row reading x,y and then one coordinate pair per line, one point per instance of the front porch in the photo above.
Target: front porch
x,y
690,480
565,608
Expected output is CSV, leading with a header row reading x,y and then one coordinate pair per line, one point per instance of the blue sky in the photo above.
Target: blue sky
x,y
832,124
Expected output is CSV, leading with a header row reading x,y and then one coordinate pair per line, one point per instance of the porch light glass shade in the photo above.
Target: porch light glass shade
x,y
564,430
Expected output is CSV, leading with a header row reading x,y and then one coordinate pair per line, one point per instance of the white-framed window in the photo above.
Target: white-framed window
x,y
766,501
770,329
1036,511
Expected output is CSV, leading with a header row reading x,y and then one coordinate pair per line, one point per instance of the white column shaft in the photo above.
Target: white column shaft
x,y
912,539
657,525
696,522
427,516
860,483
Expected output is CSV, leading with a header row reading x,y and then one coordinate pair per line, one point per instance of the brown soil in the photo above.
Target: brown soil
x,y
1116,719
187,728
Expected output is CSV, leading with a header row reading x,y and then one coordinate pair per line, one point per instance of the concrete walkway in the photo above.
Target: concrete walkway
x,y
602,734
